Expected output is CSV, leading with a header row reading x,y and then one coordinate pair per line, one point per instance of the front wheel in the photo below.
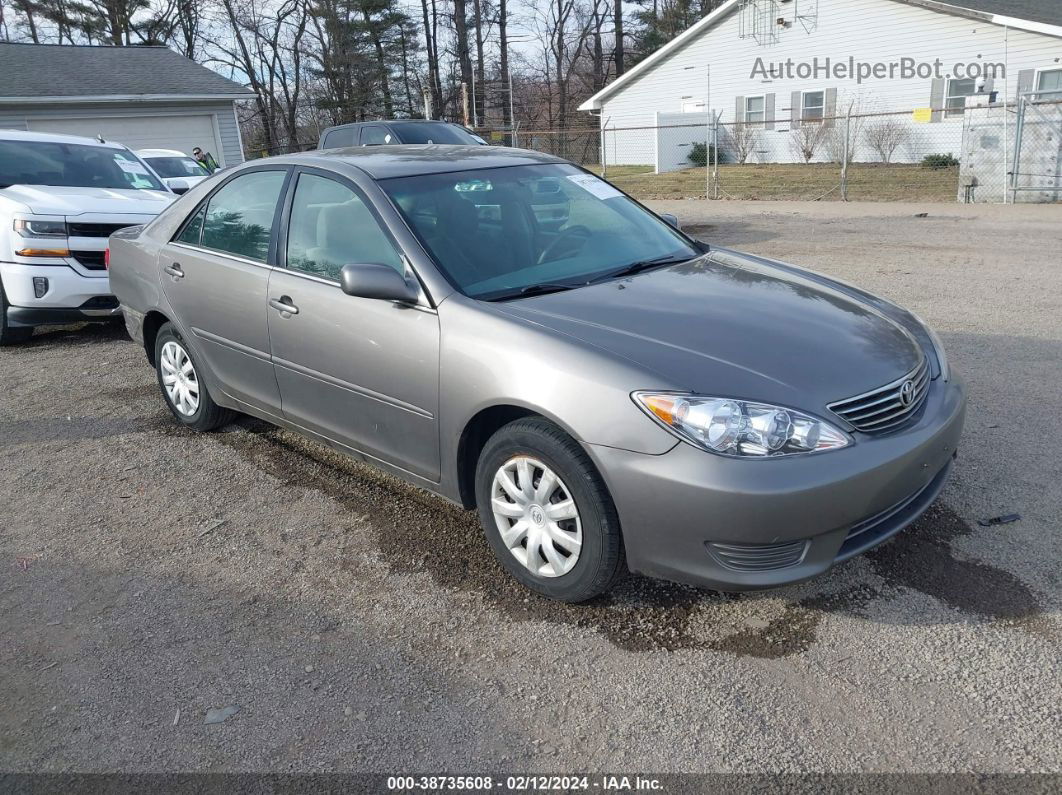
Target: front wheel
x,y
546,512
182,388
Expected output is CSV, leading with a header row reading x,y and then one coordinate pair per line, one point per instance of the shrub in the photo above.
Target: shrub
x,y
702,154
938,162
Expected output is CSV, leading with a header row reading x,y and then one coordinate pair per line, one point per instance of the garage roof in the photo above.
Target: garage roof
x,y
64,73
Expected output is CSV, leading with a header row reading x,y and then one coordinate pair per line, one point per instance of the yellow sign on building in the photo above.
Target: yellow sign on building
x,y
923,115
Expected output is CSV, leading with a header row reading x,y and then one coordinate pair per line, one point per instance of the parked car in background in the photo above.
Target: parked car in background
x,y
404,131
60,198
604,391
178,170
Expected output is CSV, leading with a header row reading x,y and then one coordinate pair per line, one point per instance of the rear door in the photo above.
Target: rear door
x,y
360,371
216,274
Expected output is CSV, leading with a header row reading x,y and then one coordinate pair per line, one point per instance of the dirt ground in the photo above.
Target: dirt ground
x,y
148,575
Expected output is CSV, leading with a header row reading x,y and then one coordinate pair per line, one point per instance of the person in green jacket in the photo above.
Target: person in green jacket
x,y
206,160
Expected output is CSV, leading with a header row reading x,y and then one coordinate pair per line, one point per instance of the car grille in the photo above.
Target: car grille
x,y
748,557
877,528
889,406
93,260
93,230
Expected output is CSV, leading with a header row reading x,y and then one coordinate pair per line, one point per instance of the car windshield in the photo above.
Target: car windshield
x,y
72,165
177,167
505,232
432,132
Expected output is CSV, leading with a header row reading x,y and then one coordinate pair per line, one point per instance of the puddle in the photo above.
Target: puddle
x,y
640,614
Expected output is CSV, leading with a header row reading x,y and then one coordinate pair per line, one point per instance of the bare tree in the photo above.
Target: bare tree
x,y
885,137
742,139
807,139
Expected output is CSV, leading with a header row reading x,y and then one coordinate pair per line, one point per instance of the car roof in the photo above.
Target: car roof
x,y
21,135
393,121
161,153
385,162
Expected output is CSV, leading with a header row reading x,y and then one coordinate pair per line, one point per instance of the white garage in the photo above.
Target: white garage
x,y
143,97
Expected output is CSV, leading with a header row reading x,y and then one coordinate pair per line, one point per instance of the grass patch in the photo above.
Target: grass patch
x,y
793,182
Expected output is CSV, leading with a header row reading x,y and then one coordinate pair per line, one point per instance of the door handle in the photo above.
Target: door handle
x,y
284,305
174,270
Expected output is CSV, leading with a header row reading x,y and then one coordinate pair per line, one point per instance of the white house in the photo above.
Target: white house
x,y
775,65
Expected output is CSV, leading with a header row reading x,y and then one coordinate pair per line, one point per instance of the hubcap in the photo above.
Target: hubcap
x,y
536,517
179,378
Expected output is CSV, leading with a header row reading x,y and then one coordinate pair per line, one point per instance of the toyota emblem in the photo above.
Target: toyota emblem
x,y
907,394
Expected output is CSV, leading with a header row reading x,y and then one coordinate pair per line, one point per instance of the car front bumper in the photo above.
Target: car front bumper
x,y
70,296
742,524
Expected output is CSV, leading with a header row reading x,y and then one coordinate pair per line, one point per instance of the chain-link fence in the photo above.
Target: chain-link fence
x,y
999,152
983,153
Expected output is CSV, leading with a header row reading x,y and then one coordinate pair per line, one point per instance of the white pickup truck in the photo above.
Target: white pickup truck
x,y
60,198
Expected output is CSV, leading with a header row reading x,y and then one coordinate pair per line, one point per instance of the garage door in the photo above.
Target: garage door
x,y
182,133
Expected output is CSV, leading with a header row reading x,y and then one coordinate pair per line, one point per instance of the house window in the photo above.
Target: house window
x,y
755,110
958,91
814,106
1050,80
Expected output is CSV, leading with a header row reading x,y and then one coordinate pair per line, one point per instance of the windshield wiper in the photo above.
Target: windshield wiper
x,y
643,265
537,289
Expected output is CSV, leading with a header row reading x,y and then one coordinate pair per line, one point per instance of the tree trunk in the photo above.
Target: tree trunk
x,y
27,8
503,21
619,37
461,35
481,100
432,54
381,63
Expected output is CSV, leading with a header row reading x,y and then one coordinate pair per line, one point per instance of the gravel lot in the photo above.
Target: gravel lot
x,y
149,575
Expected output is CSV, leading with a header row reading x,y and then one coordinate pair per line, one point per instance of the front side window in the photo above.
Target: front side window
x,y
375,136
496,232
193,230
169,167
239,217
958,91
330,227
755,110
814,108
1050,81
72,165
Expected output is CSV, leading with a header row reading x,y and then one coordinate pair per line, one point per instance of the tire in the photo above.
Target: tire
x,y
11,335
196,410
526,450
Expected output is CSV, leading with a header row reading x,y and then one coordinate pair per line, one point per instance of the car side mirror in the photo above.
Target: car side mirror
x,y
671,219
179,186
372,280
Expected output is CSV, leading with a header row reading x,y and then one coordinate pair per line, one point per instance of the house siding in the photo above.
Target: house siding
x,y
715,68
226,129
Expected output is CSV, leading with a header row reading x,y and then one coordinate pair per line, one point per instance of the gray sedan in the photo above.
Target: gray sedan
x,y
606,391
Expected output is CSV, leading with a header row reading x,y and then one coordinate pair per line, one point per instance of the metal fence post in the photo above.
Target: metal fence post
x,y
1019,135
715,152
845,153
604,145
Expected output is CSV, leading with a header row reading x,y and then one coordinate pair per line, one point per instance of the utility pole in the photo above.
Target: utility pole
x,y
427,104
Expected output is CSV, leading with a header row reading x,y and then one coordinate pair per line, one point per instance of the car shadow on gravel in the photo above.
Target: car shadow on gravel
x,y
47,337
642,614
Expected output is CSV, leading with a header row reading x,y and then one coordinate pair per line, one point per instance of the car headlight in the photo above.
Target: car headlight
x,y
740,428
35,227
938,349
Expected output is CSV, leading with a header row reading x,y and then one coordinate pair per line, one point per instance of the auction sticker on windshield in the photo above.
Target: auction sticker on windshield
x,y
591,184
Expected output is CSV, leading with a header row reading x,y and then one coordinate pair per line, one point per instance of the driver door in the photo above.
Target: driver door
x,y
360,371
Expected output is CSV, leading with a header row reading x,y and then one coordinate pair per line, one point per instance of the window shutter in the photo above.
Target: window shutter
x,y
987,89
1026,78
936,99
739,110
829,110
768,112
796,113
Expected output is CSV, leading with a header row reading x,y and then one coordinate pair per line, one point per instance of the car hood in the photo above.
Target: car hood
x,y
736,326
59,200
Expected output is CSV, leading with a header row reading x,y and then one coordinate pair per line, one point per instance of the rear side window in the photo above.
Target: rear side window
x,y
376,136
239,217
343,136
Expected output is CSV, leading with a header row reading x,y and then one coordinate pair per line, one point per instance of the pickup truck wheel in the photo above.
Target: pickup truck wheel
x,y
183,390
11,335
546,512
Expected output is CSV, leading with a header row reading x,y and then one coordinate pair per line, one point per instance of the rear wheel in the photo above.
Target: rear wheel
x,y
11,335
546,512
182,388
